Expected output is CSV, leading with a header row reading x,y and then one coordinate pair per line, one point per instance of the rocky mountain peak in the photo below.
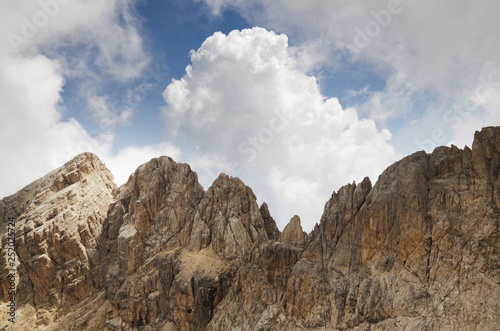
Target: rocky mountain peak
x,y
272,230
228,219
293,231
59,222
485,153
417,250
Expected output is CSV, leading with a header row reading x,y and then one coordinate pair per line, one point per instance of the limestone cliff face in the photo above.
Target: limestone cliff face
x,y
418,250
58,229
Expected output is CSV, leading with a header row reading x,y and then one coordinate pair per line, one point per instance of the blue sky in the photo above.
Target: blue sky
x,y
296,98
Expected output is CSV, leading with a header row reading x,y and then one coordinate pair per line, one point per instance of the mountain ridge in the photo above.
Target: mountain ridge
x,y
419,249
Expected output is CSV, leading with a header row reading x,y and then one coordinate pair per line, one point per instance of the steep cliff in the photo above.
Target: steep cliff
x,y
59,223
419,250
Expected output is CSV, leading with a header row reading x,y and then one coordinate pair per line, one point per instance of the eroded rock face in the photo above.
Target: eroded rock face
x,y
147,224
58,226
228,220
293,232
419,250
272,230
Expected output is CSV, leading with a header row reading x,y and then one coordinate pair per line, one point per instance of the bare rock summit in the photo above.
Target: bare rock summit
x,y
417,250
293,231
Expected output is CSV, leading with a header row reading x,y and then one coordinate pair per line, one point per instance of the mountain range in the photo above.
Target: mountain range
x,y
417,250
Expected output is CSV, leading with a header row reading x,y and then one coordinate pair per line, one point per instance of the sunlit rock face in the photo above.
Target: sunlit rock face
x,y
417,250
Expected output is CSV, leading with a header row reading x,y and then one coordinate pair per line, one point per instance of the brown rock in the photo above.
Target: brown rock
x,y
228,219
272,230
58,225
419,250
293,231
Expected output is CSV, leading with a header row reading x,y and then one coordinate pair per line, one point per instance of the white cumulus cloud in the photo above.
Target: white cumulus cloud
x,y
246,102
431,55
